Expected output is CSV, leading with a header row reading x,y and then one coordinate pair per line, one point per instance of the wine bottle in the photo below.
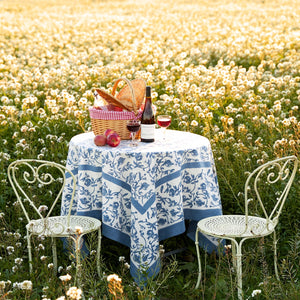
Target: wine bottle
x,y
147,119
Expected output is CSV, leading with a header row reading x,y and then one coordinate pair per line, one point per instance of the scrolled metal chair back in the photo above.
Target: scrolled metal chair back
x,y
273,179
27,175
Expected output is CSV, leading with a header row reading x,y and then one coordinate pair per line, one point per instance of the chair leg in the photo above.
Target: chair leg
x,y
29,251
198,257
77,242
98,252
275,255
54,252
239,271
233,253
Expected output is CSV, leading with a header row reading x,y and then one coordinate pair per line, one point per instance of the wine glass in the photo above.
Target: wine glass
x,y
164,121
133,126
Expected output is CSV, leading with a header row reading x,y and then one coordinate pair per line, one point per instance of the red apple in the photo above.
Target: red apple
x,y
108,132
113,140
100,140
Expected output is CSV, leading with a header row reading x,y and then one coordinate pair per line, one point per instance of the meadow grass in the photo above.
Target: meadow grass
x,y
227,70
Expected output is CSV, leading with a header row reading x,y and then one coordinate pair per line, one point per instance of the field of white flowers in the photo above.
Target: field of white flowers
x,y
228,70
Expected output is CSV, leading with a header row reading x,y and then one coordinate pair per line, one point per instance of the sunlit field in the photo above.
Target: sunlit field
x,y
227,70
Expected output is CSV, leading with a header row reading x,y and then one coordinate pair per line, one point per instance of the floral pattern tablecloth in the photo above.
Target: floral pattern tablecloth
x,y
144,194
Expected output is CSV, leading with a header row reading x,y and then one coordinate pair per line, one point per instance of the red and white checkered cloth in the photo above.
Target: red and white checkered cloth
x,y
112,115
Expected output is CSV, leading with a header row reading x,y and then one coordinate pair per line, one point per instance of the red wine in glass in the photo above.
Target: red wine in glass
x,y
164,122
133,126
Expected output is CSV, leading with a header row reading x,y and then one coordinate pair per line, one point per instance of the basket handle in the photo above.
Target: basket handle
x,y
131,89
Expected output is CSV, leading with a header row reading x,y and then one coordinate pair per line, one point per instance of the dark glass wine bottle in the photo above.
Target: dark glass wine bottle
x,y
147,120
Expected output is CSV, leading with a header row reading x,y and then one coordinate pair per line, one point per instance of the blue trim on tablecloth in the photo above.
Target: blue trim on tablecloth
x,y
116,181
191,165
193,214
143,208
164,233
89,168
97,214
116,235
167,178
125,185
107,231
196,164
170,231
84,168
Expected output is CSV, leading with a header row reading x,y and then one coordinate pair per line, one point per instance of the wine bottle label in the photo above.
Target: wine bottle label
x,y
147,131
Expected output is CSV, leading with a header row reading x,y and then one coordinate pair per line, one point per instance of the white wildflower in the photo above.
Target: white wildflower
x,y
26,285
65,277
18,261
17,235
10,250
60,268
230,121
43,208
113,277
68,268
74,293
255,292
24,128
41,247
14,269
16,285
194,123
2,285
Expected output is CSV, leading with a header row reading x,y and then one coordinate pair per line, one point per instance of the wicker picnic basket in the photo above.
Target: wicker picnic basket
x,y
130,98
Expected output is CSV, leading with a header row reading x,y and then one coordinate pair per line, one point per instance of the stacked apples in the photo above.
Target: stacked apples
x,y
110,137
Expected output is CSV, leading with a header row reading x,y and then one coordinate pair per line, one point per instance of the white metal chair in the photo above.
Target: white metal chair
x,y
39,184
273,177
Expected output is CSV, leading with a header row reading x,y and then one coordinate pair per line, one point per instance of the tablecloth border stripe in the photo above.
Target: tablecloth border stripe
x,y
197,215
170,231
108,231
84,168
143,208
116,181
191,165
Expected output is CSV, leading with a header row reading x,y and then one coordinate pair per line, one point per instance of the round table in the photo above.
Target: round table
x,y
144,194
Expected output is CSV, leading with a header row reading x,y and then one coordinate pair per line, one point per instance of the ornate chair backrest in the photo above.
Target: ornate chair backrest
x,y
37,184
273,179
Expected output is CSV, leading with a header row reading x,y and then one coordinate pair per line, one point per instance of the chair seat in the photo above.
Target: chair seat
x,y
57,226
235,226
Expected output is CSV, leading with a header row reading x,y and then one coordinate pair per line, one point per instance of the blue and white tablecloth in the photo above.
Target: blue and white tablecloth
x,y
144,194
